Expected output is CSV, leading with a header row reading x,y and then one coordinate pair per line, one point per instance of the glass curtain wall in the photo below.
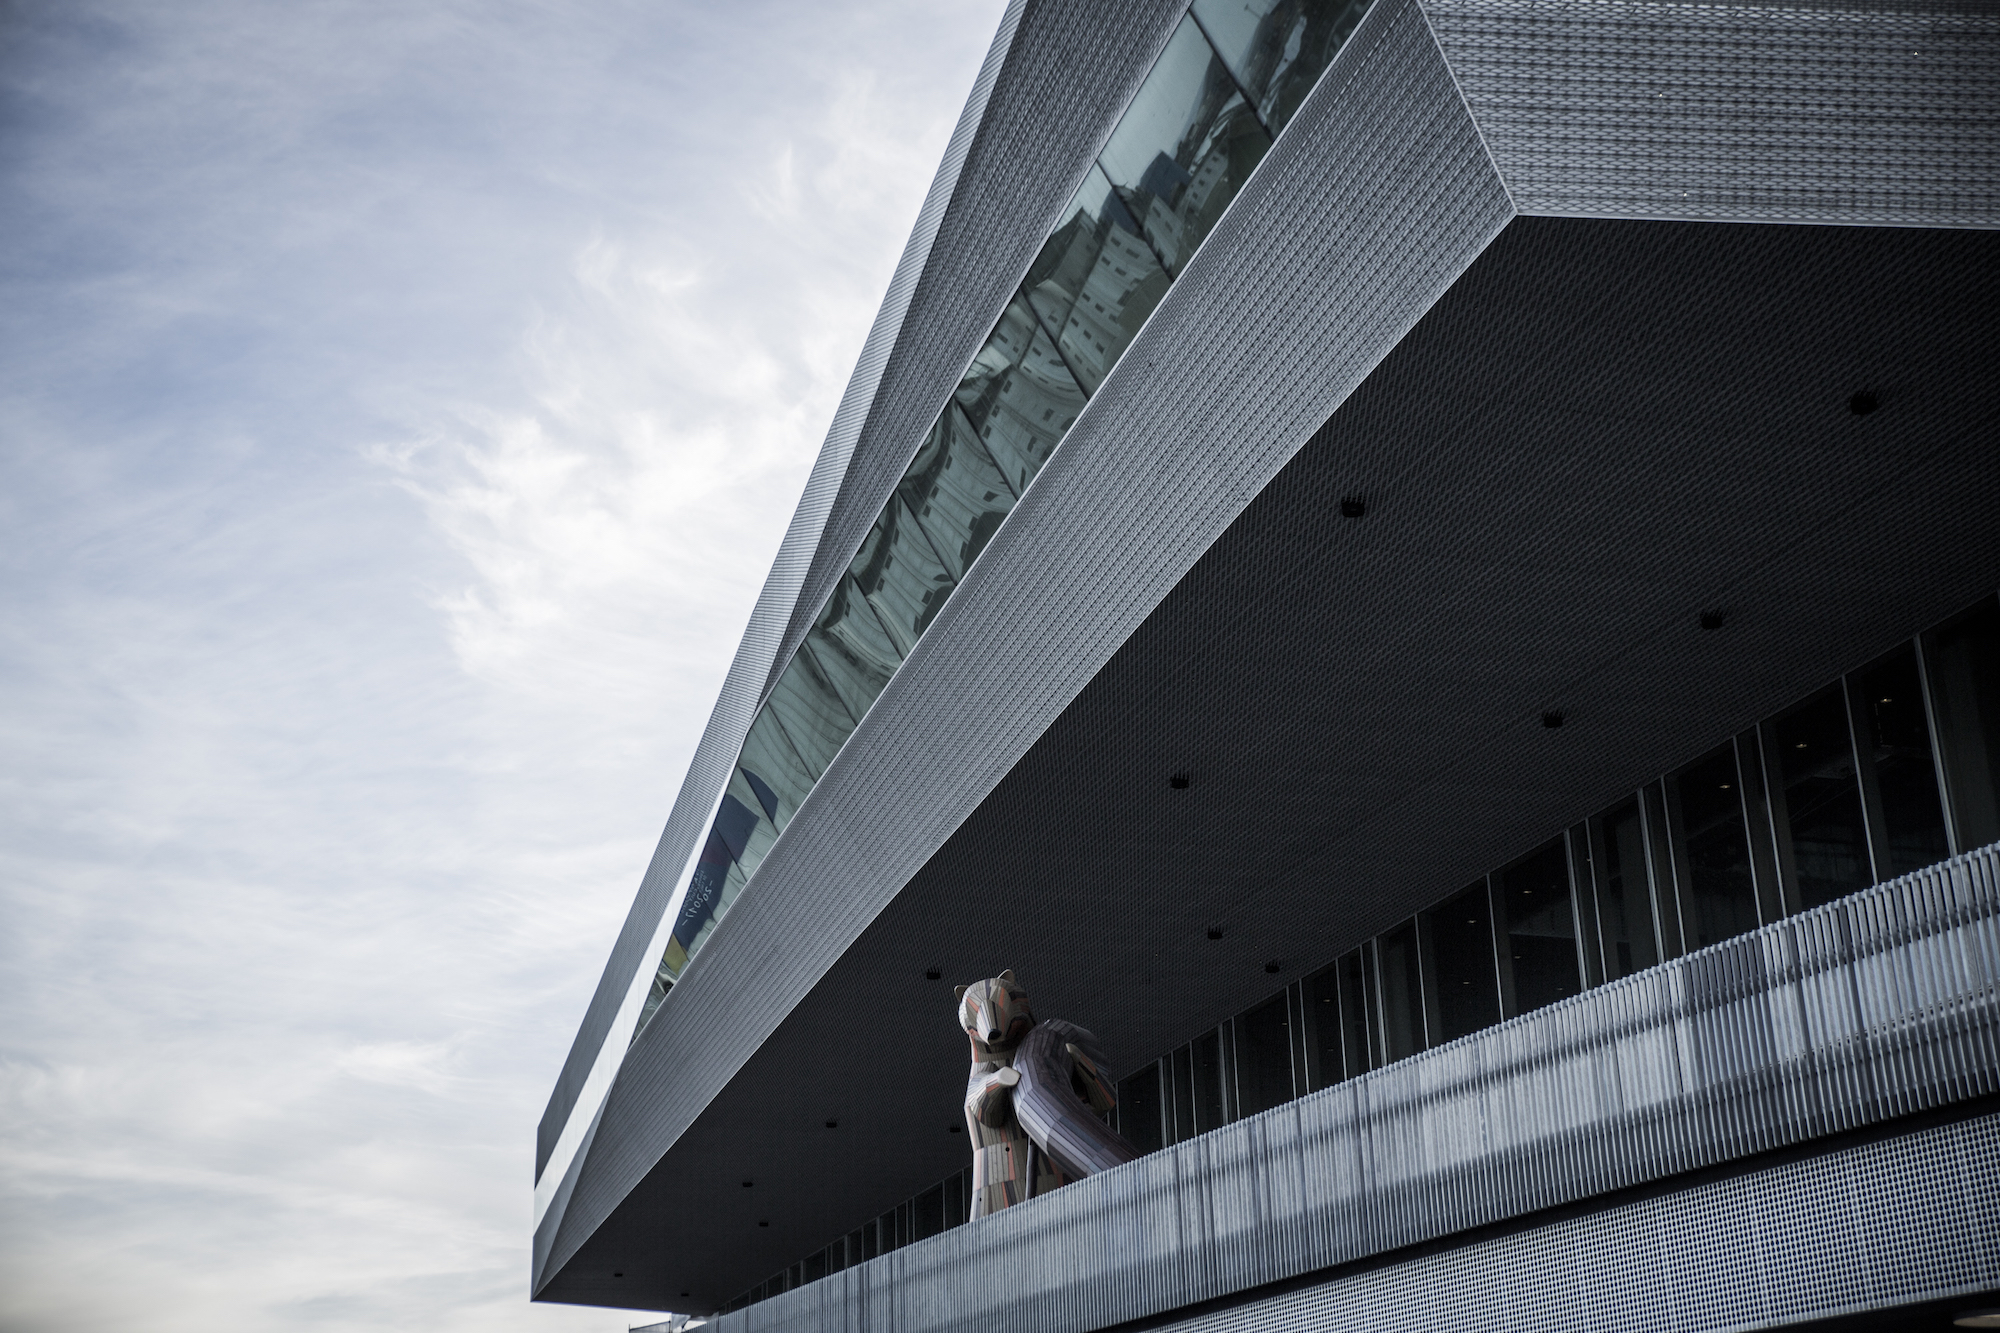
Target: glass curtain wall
x,y
1228,81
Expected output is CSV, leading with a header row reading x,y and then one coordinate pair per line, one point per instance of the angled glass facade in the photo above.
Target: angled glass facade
x,y
1228,81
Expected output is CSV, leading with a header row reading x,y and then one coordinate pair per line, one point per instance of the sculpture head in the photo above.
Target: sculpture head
x,y
994,1012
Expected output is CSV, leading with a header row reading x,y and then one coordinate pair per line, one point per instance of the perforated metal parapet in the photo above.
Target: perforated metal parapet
x,y
1882,1225
1880,1005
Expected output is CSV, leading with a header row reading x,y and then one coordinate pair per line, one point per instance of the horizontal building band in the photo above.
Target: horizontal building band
x,y
1876,1007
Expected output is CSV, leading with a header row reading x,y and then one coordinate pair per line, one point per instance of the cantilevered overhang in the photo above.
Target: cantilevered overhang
x,y
1573,435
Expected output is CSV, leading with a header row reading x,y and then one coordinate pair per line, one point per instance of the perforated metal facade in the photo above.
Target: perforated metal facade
x,y
1438,126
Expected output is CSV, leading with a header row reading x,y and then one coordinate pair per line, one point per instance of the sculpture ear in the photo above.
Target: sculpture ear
x,y
958,992
1008,976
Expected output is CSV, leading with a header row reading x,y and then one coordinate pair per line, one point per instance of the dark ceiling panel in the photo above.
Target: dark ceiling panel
x,y
1604,429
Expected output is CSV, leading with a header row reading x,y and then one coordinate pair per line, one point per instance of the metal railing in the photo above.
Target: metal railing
x,y
1879,1005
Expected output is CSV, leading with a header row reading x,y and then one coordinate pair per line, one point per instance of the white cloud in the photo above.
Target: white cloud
x,y
399,410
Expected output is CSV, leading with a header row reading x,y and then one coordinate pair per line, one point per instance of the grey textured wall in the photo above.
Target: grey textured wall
x,y
1877,114
1877,1006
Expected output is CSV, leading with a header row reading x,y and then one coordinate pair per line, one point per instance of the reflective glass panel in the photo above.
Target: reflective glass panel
x,y
1277,49
1095,281
955,491
1360,1027
815,1266
1541,930
1468,993
1323,1018
927,1213
1264,1056
1822,799
1402,992
1181,1064
1721,895
1019,396
1889,696
1624,904
763,831
810,712
772,769
1184,147
1139,1108
1209,1103
1963,660
854,652
954,1202
901,576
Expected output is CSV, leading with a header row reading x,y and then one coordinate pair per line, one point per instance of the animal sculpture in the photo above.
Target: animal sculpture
x,y
1034,1099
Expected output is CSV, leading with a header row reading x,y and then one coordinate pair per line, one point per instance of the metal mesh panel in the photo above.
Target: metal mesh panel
x,y
1745,112
1853,1014
1867,1228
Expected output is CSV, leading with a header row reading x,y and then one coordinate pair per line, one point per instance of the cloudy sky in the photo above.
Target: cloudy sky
x,y
400,405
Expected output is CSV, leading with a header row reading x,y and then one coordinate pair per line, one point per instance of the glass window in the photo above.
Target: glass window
x,y
954,1201
1095,281
760,832
853,651
1624,901
1277,49
810,713
1896,741
1184,147
815,1266
901,576
1325,1065
1264,1056
1402,992
772,769
956,492
1821,800
1018,396
1139,1108
1181,1121
1210,1105
1540,930
1962,659
927,1213
1467,987
1360,1024
1721,897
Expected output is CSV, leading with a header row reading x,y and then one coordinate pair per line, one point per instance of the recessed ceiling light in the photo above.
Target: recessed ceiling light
x,y
1215,932
748,1183
1352,506
1271,966
1861,404
933,974
833,1124
1552,719
1711,620
1179,782
763,1224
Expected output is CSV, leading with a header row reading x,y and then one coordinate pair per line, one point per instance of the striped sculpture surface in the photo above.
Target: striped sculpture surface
x,y
1033,1099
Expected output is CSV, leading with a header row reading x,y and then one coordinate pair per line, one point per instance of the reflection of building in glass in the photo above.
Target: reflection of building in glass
x,y
1496,705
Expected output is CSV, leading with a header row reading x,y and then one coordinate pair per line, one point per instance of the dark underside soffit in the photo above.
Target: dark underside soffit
x,y
1603,430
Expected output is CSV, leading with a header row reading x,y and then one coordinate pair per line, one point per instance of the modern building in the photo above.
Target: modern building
x,y
1427,570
